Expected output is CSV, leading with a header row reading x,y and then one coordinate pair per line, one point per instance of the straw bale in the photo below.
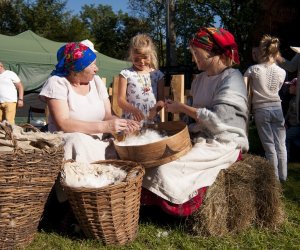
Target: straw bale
x,y
247,193
240,196
211,218
269,205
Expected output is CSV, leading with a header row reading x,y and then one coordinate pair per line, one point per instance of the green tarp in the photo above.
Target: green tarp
x,y
33,58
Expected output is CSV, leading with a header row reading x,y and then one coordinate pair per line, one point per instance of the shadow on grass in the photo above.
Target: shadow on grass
x,y
155,215
291,188
59,218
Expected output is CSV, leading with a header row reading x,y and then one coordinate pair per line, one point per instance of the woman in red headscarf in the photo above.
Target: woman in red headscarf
x,y
220,112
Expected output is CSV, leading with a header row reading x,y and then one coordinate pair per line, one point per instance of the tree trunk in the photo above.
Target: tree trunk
x,y
172,34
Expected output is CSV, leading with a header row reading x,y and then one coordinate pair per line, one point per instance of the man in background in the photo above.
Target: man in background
x,y
11,94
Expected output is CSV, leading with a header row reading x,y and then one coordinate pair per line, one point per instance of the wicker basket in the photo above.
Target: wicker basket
x,y
109,213
26,180
177,144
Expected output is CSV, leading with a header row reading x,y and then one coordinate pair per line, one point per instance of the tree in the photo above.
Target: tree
x,y
238,16
10,17
112,31
46,17
101,22
184,18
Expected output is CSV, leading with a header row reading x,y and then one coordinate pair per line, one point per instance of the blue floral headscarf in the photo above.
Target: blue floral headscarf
x,y
73,57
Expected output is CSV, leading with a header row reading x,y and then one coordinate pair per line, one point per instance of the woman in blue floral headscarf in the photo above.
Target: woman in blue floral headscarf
x,y
78,100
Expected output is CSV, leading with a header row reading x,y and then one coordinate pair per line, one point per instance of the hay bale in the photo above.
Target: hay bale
x,y
240,196
211,218
269,205
245,194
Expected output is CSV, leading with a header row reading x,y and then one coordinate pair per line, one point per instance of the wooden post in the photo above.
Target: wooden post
x,y
177,88
114,98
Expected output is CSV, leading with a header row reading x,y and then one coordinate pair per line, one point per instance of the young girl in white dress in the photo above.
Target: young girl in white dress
x,y
140,92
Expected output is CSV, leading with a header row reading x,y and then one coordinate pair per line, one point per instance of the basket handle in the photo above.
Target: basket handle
x,y
134,172
29,126
9,135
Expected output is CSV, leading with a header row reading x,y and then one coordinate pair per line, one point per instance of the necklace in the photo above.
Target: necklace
x,y
145,81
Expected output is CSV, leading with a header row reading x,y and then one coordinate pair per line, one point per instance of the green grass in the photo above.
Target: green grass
x,y
160,231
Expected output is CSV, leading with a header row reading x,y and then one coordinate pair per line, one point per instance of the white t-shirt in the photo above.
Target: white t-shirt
x,y
8,91
85,108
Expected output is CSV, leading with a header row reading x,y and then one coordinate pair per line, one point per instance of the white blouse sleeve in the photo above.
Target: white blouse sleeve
x,y
56,88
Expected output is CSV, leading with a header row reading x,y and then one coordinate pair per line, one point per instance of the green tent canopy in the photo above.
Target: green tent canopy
x,y
33,58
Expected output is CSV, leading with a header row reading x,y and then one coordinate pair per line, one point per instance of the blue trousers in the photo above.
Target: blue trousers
x,y
270,127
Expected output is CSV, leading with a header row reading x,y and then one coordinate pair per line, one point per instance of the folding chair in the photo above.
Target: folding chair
x,y
40,120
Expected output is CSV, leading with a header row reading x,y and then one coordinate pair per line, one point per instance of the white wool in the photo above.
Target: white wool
x,y
79,174
149,136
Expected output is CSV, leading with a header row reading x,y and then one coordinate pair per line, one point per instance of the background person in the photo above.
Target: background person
x,y
291,123
220,111
266,79
141,87
293,66
11,94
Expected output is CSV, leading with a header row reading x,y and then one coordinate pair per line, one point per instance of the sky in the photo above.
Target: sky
x,y
75,5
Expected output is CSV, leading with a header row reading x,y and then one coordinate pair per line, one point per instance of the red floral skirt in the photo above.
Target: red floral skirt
x,y
185,209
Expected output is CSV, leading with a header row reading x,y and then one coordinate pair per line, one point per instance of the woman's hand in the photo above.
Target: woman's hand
x,y
173,107
157,107
116,125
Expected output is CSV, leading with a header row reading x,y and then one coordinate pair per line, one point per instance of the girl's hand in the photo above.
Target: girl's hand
x,y
138,115
173,107
116,125
132,126
157,107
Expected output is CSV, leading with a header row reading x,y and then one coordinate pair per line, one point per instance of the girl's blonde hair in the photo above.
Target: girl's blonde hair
x,y
143,44
268,47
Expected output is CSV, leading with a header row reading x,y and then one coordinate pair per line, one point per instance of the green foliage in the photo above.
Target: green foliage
x,y
47,18
112,31
10,17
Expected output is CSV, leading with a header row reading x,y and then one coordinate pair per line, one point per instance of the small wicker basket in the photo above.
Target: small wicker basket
x,y
177,144
109,213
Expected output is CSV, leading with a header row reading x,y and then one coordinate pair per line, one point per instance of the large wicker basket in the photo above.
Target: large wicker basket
x,y
26,180
109,213
177,144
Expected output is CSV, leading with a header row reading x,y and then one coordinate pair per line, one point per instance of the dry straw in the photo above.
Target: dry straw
x,y
26,179
246,194
110,213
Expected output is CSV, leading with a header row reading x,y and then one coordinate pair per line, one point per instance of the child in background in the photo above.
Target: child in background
x,y
141,86
266,80
291,123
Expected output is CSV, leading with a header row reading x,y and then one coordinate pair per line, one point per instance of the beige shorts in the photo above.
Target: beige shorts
x,y
8,111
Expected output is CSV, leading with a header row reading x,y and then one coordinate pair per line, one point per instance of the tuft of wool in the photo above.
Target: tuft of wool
x,y
149,136
79,174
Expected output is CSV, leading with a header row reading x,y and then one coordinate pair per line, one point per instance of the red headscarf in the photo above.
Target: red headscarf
x,y
217,40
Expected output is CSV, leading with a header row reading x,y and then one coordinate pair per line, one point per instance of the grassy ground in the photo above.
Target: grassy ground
x,y
160,231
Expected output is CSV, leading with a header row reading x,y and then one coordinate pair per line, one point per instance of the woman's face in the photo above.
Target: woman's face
x,y
141,61
202,58
88,73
